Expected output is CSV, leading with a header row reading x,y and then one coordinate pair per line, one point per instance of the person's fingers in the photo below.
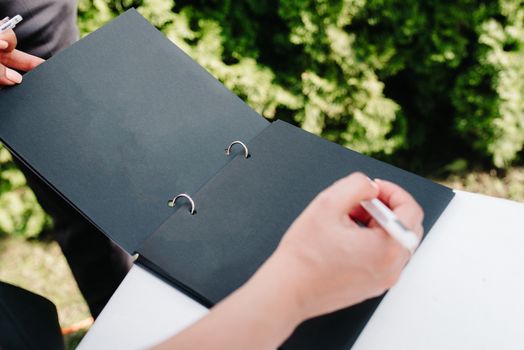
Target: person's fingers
x,y
4,44
347,193
358,213
20,60
395,255
402,204
13,75
10,38
5,76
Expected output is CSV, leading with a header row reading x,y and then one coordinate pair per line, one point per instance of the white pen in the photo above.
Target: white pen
x,y
391,224
10,24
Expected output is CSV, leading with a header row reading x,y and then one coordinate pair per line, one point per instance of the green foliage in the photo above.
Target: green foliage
x,y
377,76
501,124
249,45
20,213
343,97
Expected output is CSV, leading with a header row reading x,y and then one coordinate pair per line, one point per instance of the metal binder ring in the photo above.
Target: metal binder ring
x,y
246,151
172,202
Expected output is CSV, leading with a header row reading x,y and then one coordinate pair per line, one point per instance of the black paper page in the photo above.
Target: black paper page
x,y
121,122
246,208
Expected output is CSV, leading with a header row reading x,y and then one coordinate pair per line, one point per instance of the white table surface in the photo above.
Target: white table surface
x,y
463,289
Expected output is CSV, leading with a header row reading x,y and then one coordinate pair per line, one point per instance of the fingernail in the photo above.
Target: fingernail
x,y
373,183
14,76
3,44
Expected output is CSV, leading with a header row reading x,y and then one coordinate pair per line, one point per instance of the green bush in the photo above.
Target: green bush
x,y
266,55
423,77
20,213
417,82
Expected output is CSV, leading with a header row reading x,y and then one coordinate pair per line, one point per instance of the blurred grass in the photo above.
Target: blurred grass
x,y
72,340
503,184
40,267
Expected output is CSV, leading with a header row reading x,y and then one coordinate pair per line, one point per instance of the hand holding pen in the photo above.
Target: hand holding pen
x,y
11,59
326,260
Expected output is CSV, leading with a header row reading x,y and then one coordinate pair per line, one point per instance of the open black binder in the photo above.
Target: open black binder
x,y
123,121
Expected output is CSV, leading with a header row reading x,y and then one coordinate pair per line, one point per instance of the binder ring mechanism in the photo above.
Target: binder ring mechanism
x,y
172,202
246,151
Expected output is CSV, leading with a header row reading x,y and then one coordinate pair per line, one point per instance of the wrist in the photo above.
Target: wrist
x,y
280,282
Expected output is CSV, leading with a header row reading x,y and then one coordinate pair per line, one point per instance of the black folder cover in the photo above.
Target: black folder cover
x,y
123,120
120,122
245,209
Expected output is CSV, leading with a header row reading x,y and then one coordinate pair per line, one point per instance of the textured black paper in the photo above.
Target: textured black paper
x,y
245,209
121,122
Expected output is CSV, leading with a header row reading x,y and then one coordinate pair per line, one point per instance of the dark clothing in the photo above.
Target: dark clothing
x,y
97,264
48,26
27,321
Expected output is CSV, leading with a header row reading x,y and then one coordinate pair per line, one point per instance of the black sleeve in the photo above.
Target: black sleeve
x,y
48,26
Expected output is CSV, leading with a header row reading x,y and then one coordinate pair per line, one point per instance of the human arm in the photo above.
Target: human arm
x,y
12,59
324,262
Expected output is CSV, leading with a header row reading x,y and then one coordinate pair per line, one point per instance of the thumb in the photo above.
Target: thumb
x,y
8,37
